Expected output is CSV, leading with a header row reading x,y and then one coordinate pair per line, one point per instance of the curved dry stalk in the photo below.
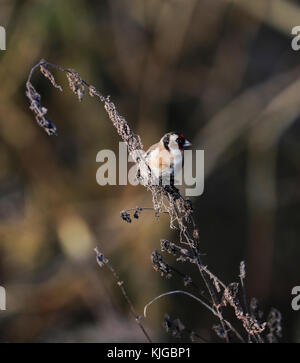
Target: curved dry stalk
x,y
201,302
179,292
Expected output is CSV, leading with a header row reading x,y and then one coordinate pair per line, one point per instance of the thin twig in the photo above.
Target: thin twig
x,y
104,261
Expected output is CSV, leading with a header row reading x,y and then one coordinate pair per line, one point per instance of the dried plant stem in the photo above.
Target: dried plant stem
x,y
242,277
104,261
166,200
203,272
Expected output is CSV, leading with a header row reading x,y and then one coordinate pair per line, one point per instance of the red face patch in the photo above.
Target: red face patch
x,y
181,141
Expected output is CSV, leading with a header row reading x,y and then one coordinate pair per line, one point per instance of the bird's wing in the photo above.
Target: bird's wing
x,y
151,148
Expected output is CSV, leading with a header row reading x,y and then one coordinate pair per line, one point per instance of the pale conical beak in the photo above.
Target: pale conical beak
x,y
187,143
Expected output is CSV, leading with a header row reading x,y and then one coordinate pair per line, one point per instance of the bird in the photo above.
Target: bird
x,y
164,159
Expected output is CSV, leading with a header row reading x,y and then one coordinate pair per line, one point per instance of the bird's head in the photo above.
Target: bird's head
x,y
175,141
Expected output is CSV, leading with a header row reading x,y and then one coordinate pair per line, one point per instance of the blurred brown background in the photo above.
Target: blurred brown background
x,y
224,74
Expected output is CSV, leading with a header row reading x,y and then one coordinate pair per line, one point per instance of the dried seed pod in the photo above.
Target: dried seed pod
x,y
137,212
76,84
125,216
160,265
188,205
196,233
274,325
174,327
45,71
101,259
242,270
219,331
187,280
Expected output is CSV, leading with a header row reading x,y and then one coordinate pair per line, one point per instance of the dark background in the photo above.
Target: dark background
x,y
224,74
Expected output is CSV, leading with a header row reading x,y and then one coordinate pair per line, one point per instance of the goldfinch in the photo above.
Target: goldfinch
x,y
165,159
